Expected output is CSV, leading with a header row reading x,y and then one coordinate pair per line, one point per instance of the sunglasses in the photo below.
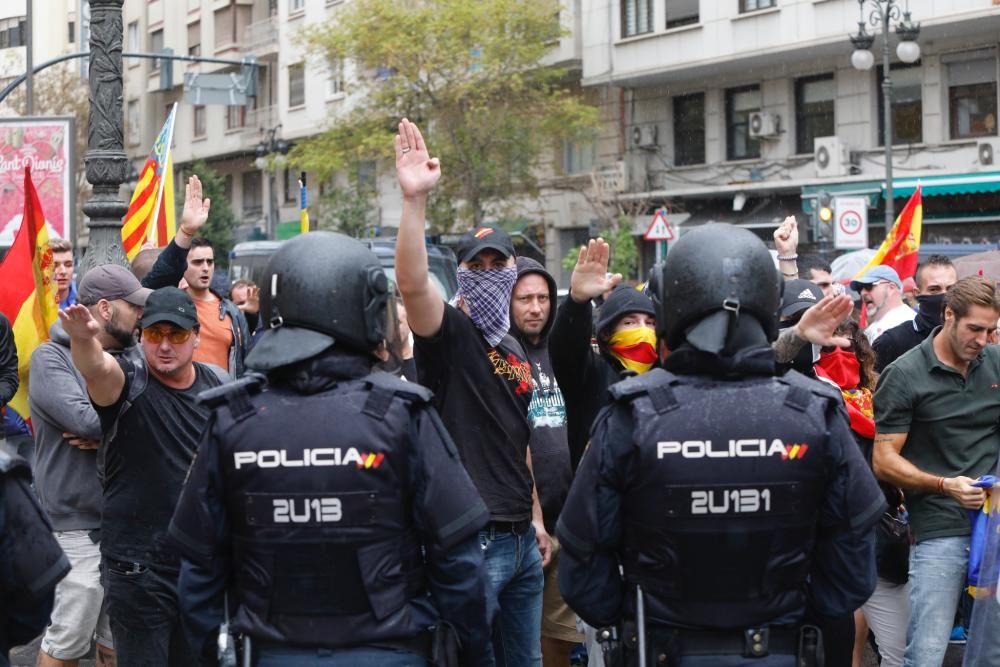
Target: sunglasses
x,y
175,336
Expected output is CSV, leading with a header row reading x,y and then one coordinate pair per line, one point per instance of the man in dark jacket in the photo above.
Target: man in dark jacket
x,y
626,340
531,315
8,365
934,278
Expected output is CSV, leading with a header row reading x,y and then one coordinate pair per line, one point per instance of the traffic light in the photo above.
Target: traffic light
x,y
824,203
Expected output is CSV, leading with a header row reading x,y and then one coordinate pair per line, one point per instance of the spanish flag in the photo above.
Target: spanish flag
x,y
902,246
28,294
150,216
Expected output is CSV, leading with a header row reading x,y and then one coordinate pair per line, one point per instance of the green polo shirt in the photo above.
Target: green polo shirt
x,y
952,425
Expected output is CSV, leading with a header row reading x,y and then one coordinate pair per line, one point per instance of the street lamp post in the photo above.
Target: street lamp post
x,y
106,164
270,152
883,13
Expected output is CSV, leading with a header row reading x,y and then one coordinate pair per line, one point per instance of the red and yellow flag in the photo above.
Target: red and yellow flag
x,y
28,294
902,246
150,216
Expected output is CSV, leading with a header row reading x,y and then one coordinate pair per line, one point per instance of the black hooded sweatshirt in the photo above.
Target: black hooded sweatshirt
x,y
550,459
584,375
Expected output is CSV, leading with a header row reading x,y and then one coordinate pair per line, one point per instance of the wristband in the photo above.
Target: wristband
x,y
940,486
790,275
787,258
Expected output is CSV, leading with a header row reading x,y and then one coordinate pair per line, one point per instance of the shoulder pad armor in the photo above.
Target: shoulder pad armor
x,y
12,462
410,391
640,384
249,384
796,379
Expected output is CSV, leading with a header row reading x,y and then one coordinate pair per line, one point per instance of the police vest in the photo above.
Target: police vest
x,y
720,522
324,548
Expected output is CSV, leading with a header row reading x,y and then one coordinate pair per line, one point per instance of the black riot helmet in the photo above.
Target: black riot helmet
x,y
713,276
319,289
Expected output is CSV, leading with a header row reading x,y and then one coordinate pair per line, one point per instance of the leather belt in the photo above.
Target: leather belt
x,y
495,528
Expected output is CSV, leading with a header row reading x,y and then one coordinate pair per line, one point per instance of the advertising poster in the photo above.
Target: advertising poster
x,y
46,145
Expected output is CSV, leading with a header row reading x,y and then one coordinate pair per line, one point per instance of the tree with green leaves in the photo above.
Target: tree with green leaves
x,y
469,72
624,257
348,210
221,219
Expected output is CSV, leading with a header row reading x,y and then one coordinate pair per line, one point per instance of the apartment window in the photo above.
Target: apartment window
x,y
689,129
740,103
296,6
200,128
194,38
12,32
132,121
972,97
754,5
291,186
814,98
637,17
681,12
252,199
230,24
335,78
156,41
236,116
579,156
71,33
296,85
132,36
907,105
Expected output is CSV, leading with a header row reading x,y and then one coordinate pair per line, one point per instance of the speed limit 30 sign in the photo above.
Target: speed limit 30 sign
x,y
850,223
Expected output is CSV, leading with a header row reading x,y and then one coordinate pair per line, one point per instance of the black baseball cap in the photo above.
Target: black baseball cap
x,y
475,241
170,305
111,282
799,295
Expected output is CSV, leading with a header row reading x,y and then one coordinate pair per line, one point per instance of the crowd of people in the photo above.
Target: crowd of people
x,y
719,466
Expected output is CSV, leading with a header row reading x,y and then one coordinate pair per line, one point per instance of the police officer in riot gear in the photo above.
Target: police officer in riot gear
x,y
333,496
728,508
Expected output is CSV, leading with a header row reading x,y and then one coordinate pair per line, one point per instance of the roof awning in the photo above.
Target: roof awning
x,y
951,184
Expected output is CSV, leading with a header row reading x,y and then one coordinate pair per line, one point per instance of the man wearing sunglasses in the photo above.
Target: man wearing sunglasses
x,y
150,422
881,293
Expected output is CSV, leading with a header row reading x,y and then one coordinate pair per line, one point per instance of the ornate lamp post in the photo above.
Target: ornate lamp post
x,y
271,152
105,160
883,13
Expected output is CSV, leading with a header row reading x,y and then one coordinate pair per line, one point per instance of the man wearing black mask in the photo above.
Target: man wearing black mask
x,y
934,277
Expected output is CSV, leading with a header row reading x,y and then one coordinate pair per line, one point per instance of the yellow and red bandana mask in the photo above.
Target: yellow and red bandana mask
x,y
634,348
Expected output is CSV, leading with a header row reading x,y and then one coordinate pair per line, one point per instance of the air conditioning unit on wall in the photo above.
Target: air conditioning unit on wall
x,y
644,136
988,152
831,156
764,125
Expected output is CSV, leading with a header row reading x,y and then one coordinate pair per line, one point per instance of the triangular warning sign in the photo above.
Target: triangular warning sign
x,y
659,229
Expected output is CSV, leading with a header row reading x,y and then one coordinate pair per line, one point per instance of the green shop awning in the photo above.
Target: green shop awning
x,y
870,189
951,184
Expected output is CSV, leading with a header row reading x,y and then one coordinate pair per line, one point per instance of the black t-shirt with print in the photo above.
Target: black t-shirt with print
x,y
146,462
482,393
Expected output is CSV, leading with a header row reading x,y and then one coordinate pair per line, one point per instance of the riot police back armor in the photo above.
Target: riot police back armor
x,y
319,289
713,268
720,523
334,561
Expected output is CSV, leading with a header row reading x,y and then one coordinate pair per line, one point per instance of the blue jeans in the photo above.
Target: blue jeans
x,y
938,569
514,566
289,656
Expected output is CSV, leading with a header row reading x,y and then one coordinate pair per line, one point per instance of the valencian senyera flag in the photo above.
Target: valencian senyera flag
x,y
303,205
28,293
150,216
902,246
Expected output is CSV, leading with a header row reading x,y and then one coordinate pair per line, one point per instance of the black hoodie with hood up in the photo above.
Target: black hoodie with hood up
x,y
583,375
550,458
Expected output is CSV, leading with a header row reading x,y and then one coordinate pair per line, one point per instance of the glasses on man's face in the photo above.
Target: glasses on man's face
x,y
175,336
875,284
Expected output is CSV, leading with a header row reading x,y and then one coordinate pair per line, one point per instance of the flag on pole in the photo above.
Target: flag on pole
x,y
28,294
902,246
303,205
150,216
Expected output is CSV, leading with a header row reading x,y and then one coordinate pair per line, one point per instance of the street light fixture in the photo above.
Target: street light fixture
x,y
271,153
883,13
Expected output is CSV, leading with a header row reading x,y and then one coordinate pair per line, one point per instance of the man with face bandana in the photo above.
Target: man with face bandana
x,y
626,340
483,387
719,505
934,277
